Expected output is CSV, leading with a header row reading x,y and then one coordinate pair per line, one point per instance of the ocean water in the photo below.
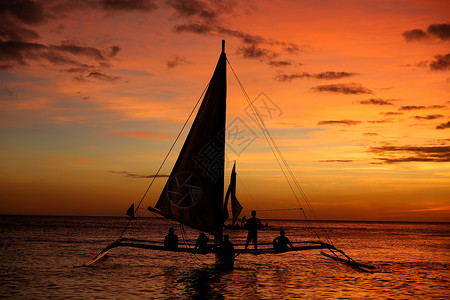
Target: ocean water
x,y
41,257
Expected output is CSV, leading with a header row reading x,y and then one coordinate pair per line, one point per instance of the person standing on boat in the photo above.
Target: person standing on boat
x,y
201,244
171,240
281,243
253,224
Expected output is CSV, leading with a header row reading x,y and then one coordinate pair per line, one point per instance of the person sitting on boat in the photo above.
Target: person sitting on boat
x,y
244,219
201,245
227,251
253,224
171,240
281,243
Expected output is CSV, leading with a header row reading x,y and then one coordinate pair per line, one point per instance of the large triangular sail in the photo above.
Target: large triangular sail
x,y
236,207
193,194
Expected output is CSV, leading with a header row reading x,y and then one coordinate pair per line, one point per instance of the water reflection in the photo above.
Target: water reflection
x,y
202,283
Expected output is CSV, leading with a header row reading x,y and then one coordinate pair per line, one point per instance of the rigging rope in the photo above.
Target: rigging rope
x,y
162,164
278,156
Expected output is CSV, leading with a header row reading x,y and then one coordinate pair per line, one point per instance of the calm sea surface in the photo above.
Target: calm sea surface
x,y
40,258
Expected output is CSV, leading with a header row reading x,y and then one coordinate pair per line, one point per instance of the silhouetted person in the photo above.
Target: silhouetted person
x,y
171,240
281,243
202,243
253,224
227,253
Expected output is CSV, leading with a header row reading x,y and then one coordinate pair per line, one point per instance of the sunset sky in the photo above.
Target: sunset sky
x,y
356,94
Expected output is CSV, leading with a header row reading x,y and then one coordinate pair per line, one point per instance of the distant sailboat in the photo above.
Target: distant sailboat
x,y
194,192
236,207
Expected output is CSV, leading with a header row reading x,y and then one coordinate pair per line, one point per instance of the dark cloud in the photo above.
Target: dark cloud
x,y
415,35
429,117
97,76
290,77
437,106
370,133
133,175
440,31
391,113
203,29
206,18
343,88
441,63
381,121
255,51
337,160
280,63
443,126
398,154
176,61
292,48
191,8
377,101
11,32
412,107
333,75
330,75
341,122
127,5
25,11
104,77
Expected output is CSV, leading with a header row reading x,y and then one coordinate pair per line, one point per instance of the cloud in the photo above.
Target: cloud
x,y
196,8
98,76
26,11
377,101
441,63
333,75
412,107
140,135
256,51
133,175
280,63
438,208
203,29
429,117
370,133
337,160
391,113
127,5
415,35
398,154
290,77
206,18
177,61
380,121
436,106
74,160
439,31
330,75
443,126
341,122
73,57
343,88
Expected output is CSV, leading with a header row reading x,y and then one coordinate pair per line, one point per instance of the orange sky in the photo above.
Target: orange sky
x,y
93,94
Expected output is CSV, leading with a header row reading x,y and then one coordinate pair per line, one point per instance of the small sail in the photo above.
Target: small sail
x,y
193,194
236,207
130,211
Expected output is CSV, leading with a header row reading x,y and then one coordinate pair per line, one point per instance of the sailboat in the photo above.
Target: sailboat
x,y
194,192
